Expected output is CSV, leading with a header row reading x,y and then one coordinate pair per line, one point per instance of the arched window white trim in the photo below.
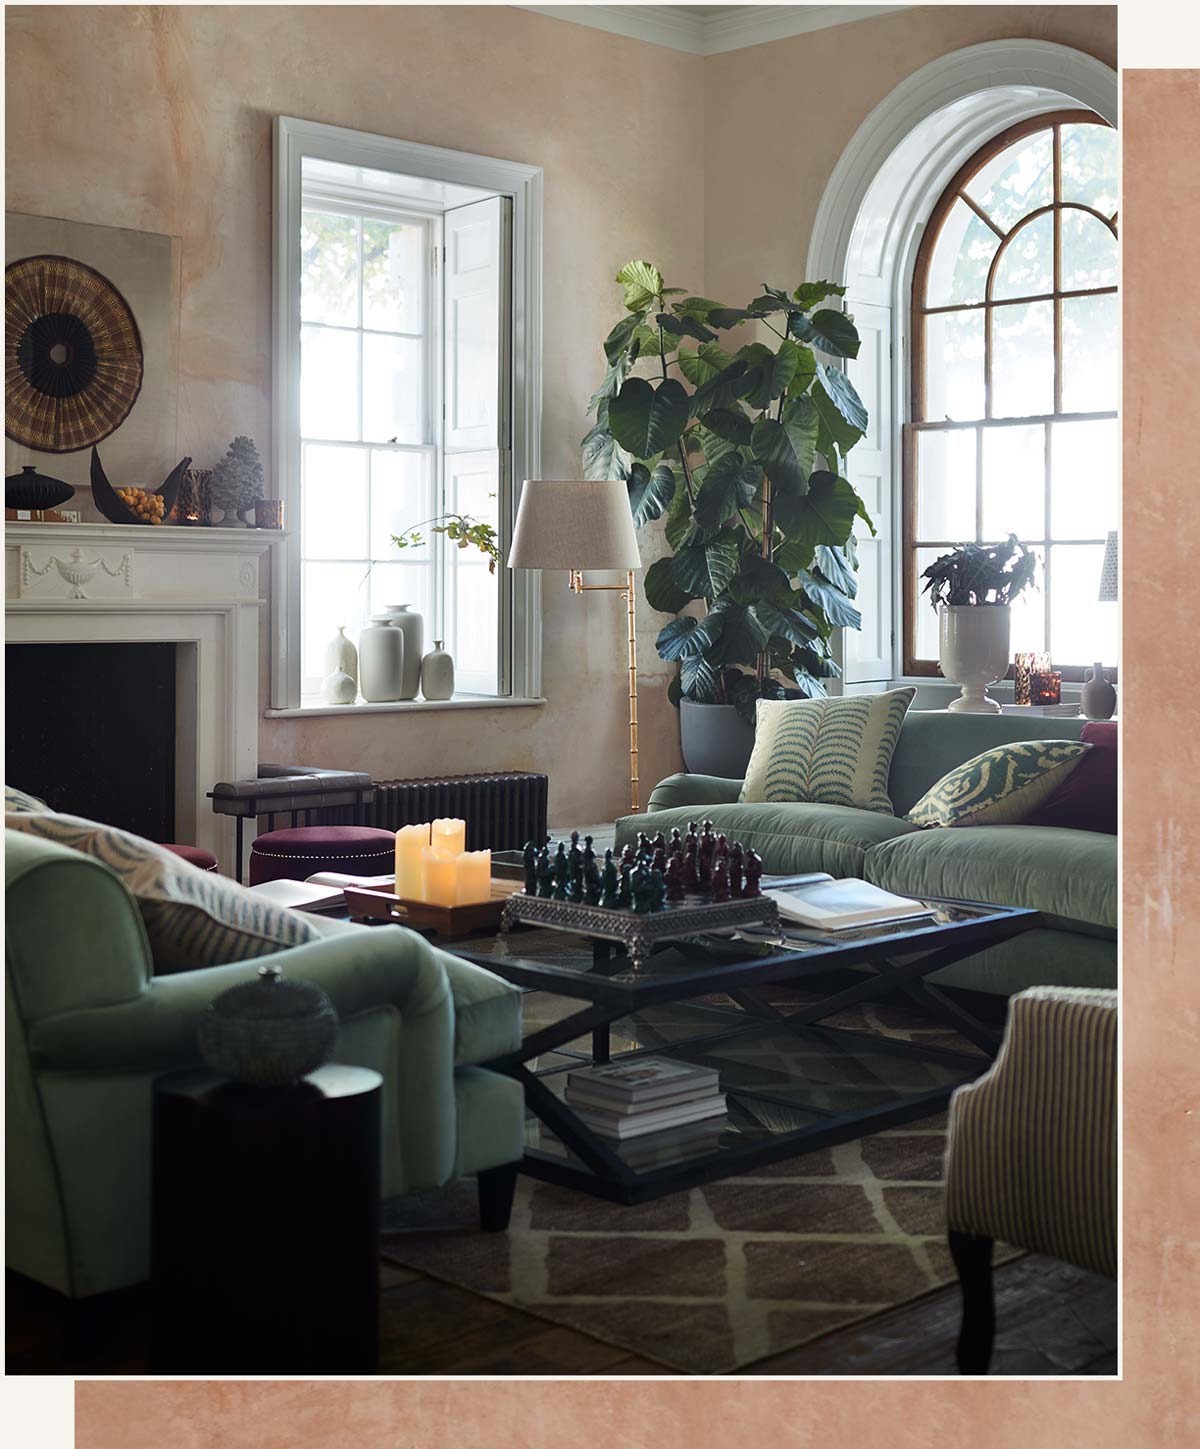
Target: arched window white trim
x,y
866,233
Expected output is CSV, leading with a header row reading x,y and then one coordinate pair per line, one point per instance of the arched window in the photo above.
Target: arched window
x,y
1015,381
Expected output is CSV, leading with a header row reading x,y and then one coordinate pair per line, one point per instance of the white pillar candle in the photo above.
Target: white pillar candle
x,y
410,841
474,877
450,835
441,877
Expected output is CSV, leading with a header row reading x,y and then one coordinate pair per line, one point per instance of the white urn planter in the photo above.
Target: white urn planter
x,y
973,642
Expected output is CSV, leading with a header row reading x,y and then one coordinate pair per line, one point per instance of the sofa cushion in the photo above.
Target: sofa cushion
x,y
487,1013
1069,875
193,918
1087,799
826,751
790,838
1000,787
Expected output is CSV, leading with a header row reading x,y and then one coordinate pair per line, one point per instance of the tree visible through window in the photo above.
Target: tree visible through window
x,y
1015,381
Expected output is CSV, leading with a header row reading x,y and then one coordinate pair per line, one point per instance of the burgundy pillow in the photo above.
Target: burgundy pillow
x,y
1087,798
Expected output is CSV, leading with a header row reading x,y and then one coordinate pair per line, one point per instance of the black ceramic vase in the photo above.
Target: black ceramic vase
x,y
31,489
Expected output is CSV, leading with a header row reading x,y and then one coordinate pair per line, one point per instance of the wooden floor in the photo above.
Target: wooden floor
x,y
1050,1318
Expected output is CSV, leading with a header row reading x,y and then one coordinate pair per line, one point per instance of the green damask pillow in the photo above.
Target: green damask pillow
x,y
826,751
1002,786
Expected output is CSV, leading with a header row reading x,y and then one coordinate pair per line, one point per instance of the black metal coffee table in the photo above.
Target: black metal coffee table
x,y
793,1081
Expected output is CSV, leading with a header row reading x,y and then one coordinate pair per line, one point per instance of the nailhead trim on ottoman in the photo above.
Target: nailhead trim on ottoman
x,y
298,853
194,855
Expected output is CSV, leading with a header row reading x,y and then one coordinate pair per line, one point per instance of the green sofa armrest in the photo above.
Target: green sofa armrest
x,y
679,790
156,1030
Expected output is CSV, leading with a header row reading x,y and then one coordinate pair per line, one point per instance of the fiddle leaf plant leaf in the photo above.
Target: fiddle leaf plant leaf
x,y
649,493
661,590
684,637
643,285
830,332
730,484
706,569
645,419
787,447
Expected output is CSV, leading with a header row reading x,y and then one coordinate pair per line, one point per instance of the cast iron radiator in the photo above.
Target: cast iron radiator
x,y
502,811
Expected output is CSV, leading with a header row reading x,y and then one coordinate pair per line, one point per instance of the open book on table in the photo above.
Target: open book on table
x,y
324,891
824,904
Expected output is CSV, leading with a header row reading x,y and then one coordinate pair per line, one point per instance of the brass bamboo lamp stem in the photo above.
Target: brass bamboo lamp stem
x,y
577,526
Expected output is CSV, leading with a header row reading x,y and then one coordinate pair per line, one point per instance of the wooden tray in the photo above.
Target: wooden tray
x,y
378,903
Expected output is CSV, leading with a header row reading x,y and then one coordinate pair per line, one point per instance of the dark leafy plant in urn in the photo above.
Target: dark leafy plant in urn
x,y
269,1032
741,452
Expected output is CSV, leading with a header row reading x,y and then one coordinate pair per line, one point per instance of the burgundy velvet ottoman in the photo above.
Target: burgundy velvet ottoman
x,y
298,853
194,855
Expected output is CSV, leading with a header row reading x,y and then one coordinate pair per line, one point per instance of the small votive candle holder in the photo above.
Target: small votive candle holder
x,y
1045,687
1025,666
268,513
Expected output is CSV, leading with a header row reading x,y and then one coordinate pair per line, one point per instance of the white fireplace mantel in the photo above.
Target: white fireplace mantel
x,y
195,587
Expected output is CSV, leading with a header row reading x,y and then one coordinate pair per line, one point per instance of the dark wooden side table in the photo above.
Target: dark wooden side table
x,y
265,1238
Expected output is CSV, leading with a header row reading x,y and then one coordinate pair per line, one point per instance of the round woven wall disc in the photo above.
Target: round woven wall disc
x,y
72,355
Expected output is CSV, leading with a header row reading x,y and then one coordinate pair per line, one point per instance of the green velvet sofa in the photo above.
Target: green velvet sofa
x,y
1068,875
89,1027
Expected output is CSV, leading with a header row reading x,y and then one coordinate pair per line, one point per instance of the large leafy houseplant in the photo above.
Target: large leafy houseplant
x,y
743,452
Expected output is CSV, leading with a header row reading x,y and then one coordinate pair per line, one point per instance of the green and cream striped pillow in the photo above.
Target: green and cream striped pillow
x,y
1002,786
826,751
193,918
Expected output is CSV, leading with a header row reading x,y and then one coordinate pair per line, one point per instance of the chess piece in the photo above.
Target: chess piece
x,y
674,878
659,842
659,861
722,850
658,889
610,894
531,858
628,857
750,889
624,891
641,889
575,885
561,869
643,846
736,865
675,844
545,873
691,871
720,880
591,876
691,841
704,855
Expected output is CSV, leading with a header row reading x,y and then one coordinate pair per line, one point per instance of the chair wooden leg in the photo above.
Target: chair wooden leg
x,y
496,1188
973,1259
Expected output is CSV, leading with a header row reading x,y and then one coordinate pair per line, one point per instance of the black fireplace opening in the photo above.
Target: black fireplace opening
x,y
90,729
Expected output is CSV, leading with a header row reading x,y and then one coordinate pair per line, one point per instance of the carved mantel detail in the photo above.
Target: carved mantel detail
x,y
77,571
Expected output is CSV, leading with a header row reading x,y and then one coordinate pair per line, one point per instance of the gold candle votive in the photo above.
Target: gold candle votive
x,y
1025,666
268,513
1045,687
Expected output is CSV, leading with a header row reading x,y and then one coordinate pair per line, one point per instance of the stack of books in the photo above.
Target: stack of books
x,y
632,1099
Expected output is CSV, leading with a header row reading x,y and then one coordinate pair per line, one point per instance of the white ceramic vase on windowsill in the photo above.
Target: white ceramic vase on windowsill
x,y
973,643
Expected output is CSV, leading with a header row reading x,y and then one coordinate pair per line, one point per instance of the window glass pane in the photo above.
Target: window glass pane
x,y
946,485
1090,166
401,498
1029,609
1082,630
1014,482
954,366
334,496
405,583
1017,181
328,383
1023,359
959,266
925,619
1083,464
393,276
473,625
329,268
1026,267
1089,354
1089,252
332,594
393,389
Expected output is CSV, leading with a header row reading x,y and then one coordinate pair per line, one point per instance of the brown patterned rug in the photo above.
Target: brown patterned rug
x,y
712,1279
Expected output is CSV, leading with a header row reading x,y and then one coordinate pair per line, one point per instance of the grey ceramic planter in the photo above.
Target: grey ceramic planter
x,y
716,740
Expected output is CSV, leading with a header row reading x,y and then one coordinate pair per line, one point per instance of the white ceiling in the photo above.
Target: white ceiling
x,y
710,29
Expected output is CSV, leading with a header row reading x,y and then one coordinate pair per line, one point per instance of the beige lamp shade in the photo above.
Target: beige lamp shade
x,y
574,524
1108,572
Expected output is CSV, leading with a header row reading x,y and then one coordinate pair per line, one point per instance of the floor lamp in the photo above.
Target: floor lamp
x,y
577,525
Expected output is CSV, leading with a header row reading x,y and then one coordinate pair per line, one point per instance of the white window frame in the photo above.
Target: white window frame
x,y
295,140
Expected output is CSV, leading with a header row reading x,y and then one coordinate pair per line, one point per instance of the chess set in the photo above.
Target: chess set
x,y
648,874
659,889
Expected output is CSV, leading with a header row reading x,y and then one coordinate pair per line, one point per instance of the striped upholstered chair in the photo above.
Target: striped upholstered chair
x,y
1032,1151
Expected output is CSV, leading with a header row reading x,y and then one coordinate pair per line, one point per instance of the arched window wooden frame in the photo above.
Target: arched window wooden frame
x,y
955,191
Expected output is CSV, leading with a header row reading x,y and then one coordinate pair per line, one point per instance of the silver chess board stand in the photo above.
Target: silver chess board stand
x,y
639,933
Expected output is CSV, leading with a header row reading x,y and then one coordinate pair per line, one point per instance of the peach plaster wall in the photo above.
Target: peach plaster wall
x,y
712,168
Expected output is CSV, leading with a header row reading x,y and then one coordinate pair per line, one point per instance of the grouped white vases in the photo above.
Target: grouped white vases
x,y
437,673
338,688
412,626
973,642
381,660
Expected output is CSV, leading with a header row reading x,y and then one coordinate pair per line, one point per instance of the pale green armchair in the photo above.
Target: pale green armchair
x,y
89,1028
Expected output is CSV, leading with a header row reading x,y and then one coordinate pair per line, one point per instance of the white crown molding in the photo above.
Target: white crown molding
x,y
730,28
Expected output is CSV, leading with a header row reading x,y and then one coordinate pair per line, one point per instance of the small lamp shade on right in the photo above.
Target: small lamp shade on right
x,y
1108,572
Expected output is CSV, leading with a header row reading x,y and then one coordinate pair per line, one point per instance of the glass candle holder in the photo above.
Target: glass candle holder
x,y
1025,666
1045,687
268,512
